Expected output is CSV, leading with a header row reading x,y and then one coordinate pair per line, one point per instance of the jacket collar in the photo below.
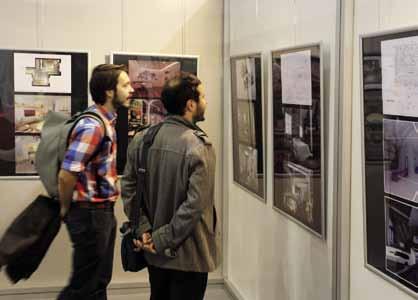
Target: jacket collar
x,y
176,119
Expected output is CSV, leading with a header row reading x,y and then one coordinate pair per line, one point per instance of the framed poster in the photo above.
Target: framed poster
x,y
247,123
33,82
298,137
148,74
389,89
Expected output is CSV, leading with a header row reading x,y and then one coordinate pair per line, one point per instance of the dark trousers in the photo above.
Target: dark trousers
x,y
176,285
92,232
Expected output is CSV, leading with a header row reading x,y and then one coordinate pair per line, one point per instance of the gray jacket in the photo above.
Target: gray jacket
x,y
180,202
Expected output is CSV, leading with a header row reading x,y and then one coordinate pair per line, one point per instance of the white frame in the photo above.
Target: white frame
x,y
323,150
363,156
59,51
263,113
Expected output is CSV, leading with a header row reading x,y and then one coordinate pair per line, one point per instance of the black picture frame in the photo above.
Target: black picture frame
x,y
298,136
247,108
390,180
53,80
148,73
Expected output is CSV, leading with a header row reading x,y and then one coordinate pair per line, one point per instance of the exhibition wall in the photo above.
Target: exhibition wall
x,y
177,27
268,255
370,17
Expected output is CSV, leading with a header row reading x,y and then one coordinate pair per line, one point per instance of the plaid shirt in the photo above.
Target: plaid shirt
x,y
97,177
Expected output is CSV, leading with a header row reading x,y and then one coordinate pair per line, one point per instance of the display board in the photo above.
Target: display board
x,y
148,74
247,123
389,64
298,185
33,82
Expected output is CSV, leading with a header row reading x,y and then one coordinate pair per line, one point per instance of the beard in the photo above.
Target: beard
x,y
117,102
199,117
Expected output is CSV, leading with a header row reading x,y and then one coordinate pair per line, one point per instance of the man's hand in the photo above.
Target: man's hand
x,y
66,184
146,244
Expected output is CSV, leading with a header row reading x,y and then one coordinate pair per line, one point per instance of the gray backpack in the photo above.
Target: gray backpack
x,y
55,135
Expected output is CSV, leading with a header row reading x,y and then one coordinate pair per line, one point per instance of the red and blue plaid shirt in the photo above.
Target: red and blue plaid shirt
x,y
97,176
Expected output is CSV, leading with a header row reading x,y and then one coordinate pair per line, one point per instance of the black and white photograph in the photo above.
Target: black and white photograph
x,y
402,240
25,151
245,111
372,73
31,110
390,154
247,123
245,74
248,166
42,73
297,137
148,73
401,158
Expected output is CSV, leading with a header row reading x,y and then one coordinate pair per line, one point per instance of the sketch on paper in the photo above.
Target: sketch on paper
x,y
401,158
245,79
31,110
42,73
402,240
400,76
296,76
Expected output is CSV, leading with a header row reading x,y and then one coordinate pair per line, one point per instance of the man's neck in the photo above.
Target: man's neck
x,y
188,118
109,107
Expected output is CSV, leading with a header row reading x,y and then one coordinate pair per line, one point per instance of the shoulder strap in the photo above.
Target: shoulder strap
x,y
138,201
97,117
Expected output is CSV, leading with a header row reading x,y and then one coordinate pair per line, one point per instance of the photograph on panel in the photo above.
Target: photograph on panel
x,y
25,150
297,186
245,118
402,240
144,112
148,77
248,166
373,126
298,169
247,123
372,72
400,76
31,110
245,74
42,73
401,158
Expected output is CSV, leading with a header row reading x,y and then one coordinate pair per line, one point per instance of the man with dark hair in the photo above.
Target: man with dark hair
x,y
178,219
88,186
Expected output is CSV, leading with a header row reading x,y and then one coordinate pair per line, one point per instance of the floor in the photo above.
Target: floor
x,y
214,292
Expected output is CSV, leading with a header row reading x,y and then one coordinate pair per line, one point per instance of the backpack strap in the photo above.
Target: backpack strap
x,y
141,188
97,117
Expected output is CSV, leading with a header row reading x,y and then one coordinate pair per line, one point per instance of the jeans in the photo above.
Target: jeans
x,y
176,285
92,232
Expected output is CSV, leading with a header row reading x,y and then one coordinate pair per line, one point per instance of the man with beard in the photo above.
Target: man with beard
x,y
88,186
178,227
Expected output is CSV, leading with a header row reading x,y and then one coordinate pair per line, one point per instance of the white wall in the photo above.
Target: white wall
x,y
370,16
189,27
269,257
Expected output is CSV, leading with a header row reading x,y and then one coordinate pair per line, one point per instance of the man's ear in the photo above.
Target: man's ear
x,y
190,105
110,94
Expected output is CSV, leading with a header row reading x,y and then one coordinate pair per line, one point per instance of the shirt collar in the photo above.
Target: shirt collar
x,y
110,116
